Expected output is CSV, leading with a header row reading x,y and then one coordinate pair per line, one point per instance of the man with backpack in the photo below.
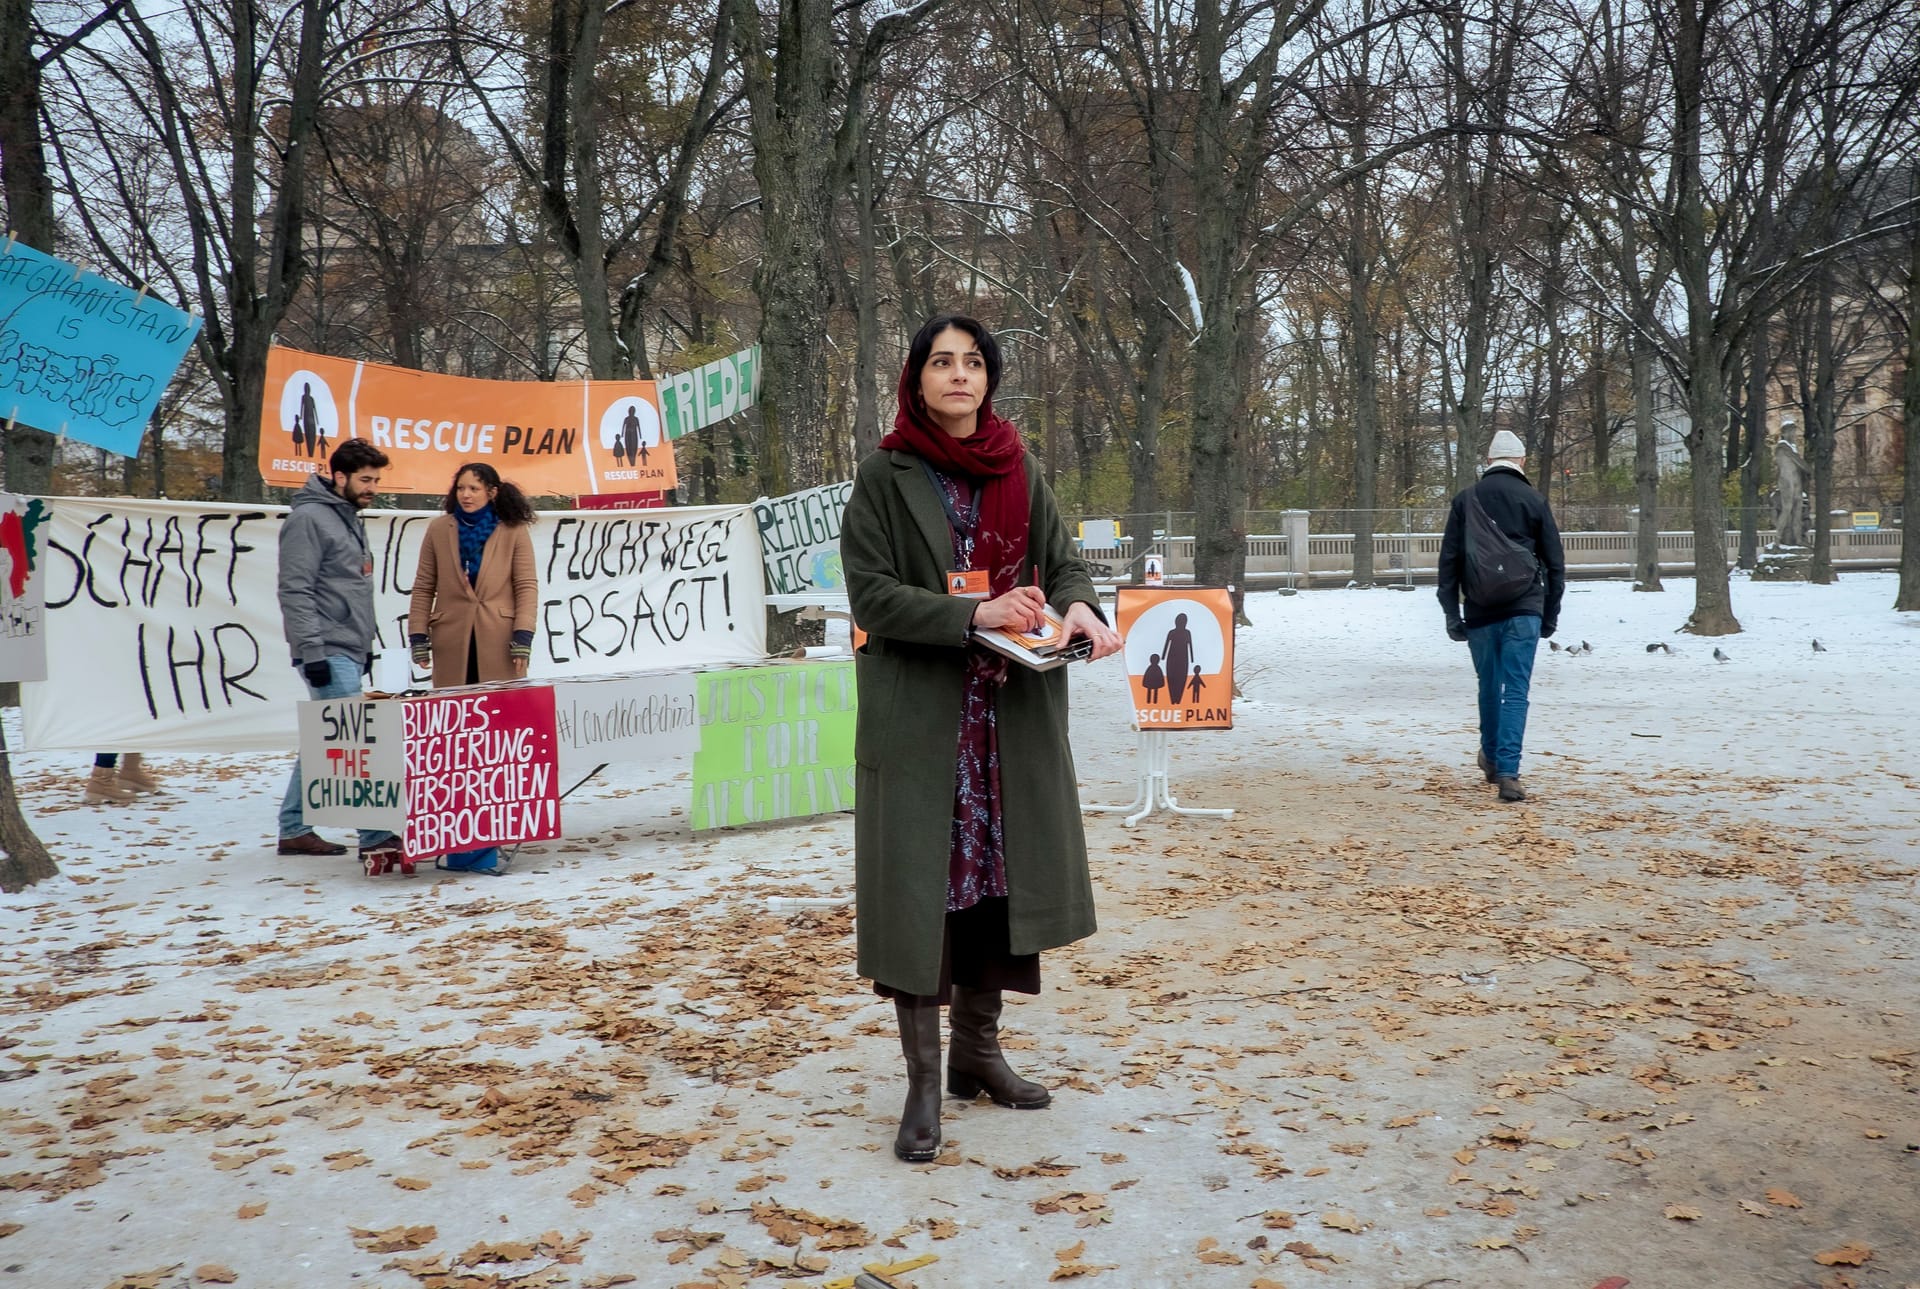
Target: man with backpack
x,y
1501,554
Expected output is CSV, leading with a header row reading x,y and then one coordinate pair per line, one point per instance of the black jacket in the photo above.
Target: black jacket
x,y
1522,514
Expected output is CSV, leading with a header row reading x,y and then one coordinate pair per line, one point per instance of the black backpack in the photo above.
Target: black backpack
x,y
1498,570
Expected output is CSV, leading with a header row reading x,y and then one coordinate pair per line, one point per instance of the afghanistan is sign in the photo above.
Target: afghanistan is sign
x,y
552,438
1179,653
775,743
83,356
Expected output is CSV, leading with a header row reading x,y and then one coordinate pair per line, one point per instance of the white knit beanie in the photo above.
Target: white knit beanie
x,y
1506,446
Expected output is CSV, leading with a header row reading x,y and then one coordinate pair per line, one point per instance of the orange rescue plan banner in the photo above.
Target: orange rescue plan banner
x,y
554,439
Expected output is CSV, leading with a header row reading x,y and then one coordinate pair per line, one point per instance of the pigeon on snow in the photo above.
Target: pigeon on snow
x,y
1659,646
1718,656
1554,645
1818,647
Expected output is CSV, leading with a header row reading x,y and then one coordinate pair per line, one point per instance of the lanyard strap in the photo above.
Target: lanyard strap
x,y
961,527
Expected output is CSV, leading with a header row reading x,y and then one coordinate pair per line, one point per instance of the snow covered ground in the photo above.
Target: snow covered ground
x,y
616,1061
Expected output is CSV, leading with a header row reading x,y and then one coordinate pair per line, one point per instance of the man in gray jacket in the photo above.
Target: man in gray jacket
x,y
326,608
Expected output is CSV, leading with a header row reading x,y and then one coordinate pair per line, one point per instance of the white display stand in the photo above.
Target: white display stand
x,y
1153,788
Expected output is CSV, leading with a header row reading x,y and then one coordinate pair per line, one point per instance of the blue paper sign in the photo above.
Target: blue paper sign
x,y
81,355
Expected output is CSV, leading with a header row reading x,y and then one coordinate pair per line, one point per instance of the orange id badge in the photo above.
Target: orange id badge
x,y
969,583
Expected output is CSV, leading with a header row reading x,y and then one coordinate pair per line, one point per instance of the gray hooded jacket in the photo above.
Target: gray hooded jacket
x,y
326,577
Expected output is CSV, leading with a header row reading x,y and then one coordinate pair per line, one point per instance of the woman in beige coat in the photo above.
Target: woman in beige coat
x,y
475,594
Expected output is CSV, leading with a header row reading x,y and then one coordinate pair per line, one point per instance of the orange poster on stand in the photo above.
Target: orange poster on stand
x,y
552,438
1179,652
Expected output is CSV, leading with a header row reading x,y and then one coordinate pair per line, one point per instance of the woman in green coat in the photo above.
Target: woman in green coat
x,y
968,852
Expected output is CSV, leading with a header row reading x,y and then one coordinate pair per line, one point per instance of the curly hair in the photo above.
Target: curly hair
x,y
509,503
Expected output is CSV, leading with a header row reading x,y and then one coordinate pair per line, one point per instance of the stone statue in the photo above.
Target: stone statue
x,y
1790,479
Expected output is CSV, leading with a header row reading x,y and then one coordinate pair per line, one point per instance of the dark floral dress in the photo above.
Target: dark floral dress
x,y
977,869
977,953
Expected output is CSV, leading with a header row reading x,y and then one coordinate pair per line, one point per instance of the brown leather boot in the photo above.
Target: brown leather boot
x,y
103,789
135,775
919,1137
974,1060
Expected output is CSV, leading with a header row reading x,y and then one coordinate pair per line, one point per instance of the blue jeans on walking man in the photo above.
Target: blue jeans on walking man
x,y
1503,658
344,682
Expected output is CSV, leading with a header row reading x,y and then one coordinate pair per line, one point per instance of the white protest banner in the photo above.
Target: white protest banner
x,y
163,618
693,400
800,539
645,719
83,356
353,765
23,610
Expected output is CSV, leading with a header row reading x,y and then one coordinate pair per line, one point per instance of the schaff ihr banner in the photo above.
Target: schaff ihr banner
x,y
552,438
1179,652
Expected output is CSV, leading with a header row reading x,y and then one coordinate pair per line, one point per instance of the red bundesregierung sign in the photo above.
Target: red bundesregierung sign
x,y
482,769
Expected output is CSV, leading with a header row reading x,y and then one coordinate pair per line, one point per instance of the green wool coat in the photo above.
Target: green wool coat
x,y
896,548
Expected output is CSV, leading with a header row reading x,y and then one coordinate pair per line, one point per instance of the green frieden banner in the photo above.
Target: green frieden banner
x,y
693,400
775,743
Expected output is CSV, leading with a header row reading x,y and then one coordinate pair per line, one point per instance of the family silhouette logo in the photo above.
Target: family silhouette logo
x,y
1179,652
630,429
309,415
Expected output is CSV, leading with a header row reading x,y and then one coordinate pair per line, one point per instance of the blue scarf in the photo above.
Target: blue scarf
x,y
474,530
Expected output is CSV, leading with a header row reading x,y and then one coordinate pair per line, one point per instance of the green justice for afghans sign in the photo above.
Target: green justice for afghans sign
x,y
775,743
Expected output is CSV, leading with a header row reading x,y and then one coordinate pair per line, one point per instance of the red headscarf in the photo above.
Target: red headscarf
x,y
993,456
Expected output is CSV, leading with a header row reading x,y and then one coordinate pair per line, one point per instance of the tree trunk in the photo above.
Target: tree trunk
x,y
1706,351
1759,365
1143,447
1363,343
793,135
1646,468
26,860
1908,599
29,194
866,355
1822,429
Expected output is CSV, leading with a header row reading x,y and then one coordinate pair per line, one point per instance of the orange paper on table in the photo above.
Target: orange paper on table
x,y
552,438
1179,652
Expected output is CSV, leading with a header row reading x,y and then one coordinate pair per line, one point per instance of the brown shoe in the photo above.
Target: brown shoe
x,y
103,789
1486,767
134,774
1511,789
309,843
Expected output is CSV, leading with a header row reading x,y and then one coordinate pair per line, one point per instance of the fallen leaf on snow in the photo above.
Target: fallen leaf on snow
x,y
1847,1255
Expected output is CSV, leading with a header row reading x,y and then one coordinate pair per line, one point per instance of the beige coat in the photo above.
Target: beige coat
x,y
449,612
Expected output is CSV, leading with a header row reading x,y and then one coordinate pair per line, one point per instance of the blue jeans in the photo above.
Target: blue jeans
x,y
342,683
1503,657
